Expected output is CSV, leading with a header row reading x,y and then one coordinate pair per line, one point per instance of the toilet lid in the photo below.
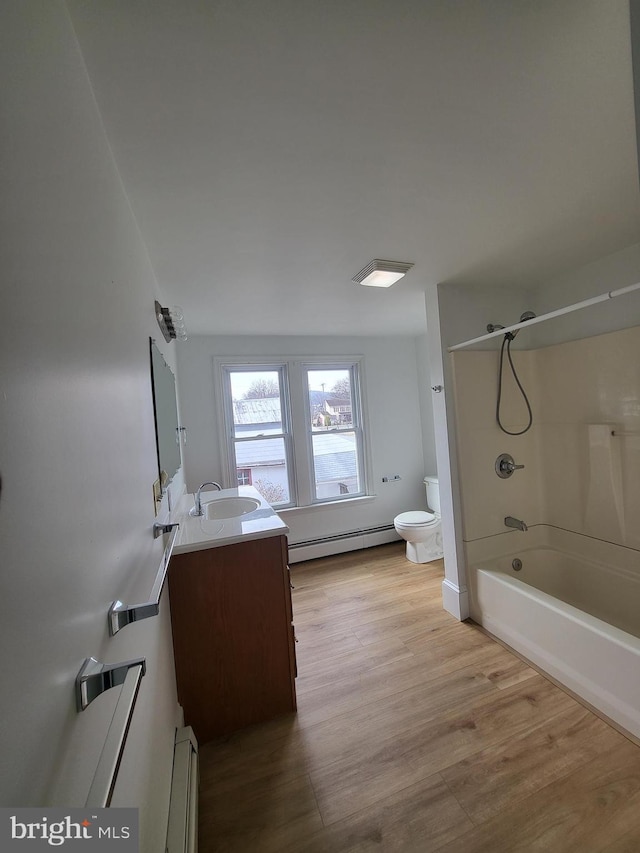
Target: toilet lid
x,y
415,517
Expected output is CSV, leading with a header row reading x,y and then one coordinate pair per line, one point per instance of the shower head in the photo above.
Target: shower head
x,y
495,327
527,315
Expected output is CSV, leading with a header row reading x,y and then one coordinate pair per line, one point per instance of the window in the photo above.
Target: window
x,y
336,435
257,424
244,476
294,429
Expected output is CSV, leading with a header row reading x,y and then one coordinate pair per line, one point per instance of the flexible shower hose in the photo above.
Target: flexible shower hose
x,y
507,342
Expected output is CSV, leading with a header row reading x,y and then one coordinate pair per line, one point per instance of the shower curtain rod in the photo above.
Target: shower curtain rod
x,y
611,294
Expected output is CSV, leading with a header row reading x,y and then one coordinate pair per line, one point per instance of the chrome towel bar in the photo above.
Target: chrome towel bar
x,y
94,678
121,614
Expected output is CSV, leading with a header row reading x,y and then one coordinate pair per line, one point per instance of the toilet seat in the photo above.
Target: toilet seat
x,y
416,518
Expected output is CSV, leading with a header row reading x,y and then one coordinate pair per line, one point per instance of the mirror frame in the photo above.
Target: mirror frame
x,y
165,416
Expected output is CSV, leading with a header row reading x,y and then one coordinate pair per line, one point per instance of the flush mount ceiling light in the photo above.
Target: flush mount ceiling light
x,y
171,322
381,273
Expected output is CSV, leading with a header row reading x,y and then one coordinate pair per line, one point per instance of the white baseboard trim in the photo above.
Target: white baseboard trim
x,y
455,600
182,825
329,547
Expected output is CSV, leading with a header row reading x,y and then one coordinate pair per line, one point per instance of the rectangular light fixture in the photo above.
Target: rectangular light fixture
x,y
381,273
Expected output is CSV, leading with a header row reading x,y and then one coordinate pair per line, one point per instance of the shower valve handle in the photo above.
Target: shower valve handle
x,y
505,465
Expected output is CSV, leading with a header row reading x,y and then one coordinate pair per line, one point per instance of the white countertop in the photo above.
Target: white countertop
x,y
196,534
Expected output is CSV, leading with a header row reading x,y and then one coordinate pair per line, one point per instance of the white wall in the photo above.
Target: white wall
x,y
462,313
486,498
394,420
456,313
634,6
583,371
577,476
425,395
591,478
77,455
465,311
608,273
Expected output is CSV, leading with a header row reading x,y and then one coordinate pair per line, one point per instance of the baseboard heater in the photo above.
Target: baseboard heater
x,y
340,542
182,827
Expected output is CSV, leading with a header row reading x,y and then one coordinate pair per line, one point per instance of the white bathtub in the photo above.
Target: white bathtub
x,y
577,619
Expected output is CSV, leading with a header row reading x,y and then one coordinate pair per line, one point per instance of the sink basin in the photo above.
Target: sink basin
x,y
229,507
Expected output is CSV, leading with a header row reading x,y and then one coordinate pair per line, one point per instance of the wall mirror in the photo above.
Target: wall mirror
x,y
166,416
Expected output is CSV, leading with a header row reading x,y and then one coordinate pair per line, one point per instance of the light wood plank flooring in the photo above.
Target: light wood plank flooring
x,y
415,733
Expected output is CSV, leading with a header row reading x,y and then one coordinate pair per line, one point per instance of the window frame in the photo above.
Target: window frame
x,y
228,424
353,366
294,395
249,476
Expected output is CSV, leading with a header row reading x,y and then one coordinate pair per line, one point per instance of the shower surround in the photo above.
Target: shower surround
x,y
579,494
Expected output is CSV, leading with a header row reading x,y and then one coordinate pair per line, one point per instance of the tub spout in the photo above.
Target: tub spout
x,y
510,521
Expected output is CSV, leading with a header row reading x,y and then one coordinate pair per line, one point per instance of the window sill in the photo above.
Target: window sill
x,y
327,504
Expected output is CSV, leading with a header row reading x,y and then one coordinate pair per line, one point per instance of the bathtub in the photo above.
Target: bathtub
x,y
576,618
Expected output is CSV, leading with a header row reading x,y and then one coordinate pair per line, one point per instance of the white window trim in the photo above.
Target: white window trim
x,y
301,460
332,504
320,363
226,422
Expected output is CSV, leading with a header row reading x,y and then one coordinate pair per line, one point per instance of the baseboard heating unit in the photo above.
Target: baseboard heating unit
x,y
352,541
182,828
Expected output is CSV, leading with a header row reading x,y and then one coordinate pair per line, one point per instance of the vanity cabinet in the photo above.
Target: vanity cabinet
x,y
233,635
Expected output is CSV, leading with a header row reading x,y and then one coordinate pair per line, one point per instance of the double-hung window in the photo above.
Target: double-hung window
x,y
335,427
258,428
294,428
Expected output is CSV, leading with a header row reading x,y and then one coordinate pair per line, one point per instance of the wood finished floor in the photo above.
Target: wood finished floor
x,y
415,732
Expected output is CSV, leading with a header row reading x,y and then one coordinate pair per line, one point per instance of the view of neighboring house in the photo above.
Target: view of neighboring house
x,y
339,408
261,461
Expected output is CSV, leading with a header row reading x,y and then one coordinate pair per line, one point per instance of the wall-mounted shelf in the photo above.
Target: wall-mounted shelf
x,y
121,614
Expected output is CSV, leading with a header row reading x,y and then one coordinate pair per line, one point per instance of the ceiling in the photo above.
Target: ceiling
x,y
271,148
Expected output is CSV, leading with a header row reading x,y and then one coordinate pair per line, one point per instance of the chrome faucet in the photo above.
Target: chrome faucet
x,y
197,509
510,521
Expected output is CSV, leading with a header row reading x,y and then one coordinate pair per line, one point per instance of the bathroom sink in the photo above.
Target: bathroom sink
x,y
229,507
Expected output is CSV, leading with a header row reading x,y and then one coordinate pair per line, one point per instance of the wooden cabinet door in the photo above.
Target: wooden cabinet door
x,y
289,606
231,619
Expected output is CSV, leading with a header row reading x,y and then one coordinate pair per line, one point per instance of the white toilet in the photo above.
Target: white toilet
x,y
421,529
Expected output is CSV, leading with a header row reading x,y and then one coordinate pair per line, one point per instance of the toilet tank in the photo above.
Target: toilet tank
x,y
433,493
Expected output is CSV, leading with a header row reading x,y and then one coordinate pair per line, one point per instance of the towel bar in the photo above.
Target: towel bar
x,y
121,614
92,680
